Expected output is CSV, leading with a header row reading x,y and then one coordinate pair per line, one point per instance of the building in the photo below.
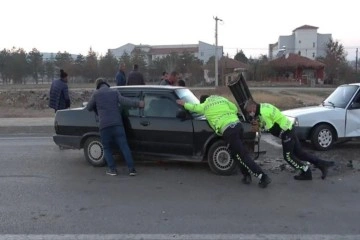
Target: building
x,y
304,41
292,66
202,50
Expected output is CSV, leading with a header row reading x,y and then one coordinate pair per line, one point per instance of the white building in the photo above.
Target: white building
x,y
304,41
202,50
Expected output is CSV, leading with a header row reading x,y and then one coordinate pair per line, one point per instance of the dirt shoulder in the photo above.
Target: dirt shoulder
x,y
19,103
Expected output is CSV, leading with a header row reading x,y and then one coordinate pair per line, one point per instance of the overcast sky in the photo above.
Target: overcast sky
x,y
76,25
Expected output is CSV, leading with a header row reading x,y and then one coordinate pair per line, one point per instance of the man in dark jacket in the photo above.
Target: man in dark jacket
x,y
59,93
135,77
171,80
105,102
120,75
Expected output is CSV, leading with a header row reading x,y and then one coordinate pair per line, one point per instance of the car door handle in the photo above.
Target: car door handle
x,y
145,123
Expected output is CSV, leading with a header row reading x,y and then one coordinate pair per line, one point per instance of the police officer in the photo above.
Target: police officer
x,y
271,118
221,115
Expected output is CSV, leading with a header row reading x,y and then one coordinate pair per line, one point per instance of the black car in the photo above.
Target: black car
x,y
162,130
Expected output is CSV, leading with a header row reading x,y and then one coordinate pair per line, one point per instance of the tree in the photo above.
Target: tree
x,y
35,60
79,65
138,57
18,65
5,57
240,56
64,61
335,60
108,66
49,66
91,71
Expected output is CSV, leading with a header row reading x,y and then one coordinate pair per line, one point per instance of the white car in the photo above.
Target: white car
x,y
336,119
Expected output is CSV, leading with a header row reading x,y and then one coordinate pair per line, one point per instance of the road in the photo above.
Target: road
x,y
45,190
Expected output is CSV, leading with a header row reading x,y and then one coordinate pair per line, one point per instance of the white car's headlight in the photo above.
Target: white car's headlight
x,y
294,120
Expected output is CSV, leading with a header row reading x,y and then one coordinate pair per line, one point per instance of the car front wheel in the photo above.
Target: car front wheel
x,y
220,160
94,152
323,137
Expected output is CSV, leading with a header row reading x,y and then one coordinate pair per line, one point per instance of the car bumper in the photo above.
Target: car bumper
x,y
303,133
68,141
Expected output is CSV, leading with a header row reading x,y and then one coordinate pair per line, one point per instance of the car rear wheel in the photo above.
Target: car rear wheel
x,y
323,137
220,160
94,152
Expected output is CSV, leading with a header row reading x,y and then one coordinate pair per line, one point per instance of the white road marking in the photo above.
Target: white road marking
x,y
180,237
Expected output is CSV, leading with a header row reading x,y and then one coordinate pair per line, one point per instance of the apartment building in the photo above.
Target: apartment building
x,y
304,41
202,50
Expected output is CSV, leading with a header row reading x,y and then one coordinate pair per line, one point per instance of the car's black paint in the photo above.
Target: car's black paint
x,y
184,136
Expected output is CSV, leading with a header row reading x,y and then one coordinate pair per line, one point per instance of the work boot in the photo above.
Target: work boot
x,y
324,166
304,175
246,179
264,181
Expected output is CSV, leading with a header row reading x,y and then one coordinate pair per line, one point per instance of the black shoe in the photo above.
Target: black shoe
x,y
111,172
246,179
132,172
264,181
304,175
324,166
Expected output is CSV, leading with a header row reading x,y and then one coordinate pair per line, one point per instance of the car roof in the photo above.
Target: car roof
x,y
155,87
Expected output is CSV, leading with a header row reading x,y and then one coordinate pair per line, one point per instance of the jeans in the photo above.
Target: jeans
x,y
117,135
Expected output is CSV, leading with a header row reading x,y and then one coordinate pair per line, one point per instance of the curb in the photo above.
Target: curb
x,y
13,126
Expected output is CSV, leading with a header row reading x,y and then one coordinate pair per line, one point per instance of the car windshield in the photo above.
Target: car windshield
x,y
341,96
186,95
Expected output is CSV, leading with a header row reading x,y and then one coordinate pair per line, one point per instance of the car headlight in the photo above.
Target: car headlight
x,y
294,120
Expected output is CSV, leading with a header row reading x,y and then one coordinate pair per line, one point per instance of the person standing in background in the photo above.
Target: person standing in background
x,y
59,93
135,77
120,75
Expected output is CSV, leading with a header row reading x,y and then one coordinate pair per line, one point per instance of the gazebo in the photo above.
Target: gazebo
x,y
302,68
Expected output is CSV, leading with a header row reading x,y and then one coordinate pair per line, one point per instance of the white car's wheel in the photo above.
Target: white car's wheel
x,y
323,137
220,160
94,152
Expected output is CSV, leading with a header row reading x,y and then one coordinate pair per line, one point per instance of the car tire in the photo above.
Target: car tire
x,y
220,160
323,137
94,152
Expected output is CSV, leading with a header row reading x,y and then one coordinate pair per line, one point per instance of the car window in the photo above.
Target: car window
x,y
186,95
157,105
131,111
341,96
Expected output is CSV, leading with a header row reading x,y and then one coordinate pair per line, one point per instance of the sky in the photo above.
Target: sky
x,y
75,26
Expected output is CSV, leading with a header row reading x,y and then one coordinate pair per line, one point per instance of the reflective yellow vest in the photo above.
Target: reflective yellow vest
x,y
219,112
269,115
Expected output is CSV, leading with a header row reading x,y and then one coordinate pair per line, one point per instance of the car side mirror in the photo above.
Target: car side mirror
x,y
181,113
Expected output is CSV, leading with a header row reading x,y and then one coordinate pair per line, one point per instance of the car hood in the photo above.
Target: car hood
x,y
241,92
296,112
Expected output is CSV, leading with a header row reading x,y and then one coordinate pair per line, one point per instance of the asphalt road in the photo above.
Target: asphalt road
x,y
45,190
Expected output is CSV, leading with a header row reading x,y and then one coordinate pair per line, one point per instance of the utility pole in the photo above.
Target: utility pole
x,y
356,60
216,51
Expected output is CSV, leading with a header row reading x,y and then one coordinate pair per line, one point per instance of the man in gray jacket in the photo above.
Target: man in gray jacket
x,y
105,102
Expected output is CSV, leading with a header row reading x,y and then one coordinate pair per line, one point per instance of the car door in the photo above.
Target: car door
x,y
131,118
352,121
161,131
